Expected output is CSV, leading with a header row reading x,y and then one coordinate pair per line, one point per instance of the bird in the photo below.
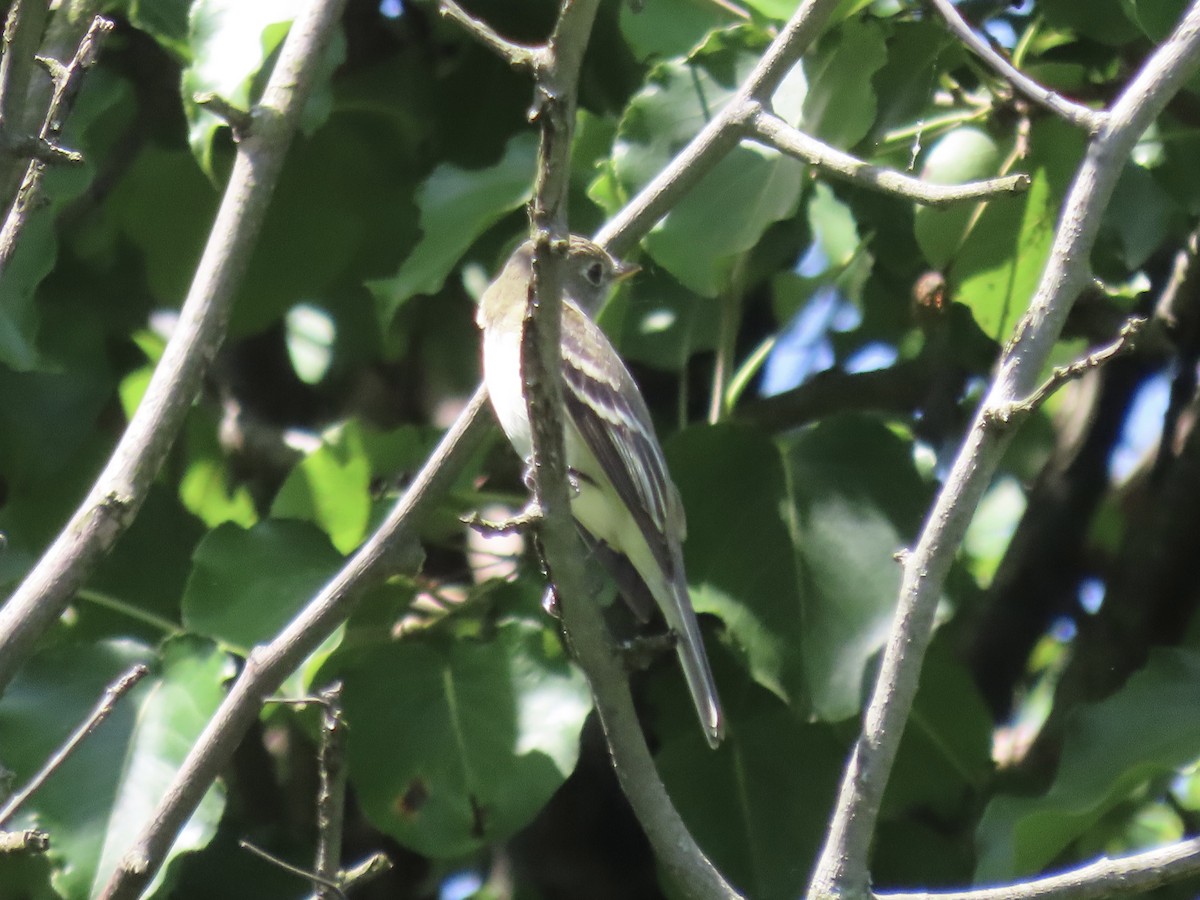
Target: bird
x,y
628,510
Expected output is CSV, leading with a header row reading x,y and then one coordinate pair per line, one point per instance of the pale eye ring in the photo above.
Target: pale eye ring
x,y
594,273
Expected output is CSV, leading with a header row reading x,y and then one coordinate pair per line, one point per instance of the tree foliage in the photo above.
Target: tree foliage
x,y
815,351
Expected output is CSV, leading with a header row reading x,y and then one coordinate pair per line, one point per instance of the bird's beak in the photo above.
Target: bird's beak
x,y
625,271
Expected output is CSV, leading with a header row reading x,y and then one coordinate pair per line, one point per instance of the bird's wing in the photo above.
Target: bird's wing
x,y
607,409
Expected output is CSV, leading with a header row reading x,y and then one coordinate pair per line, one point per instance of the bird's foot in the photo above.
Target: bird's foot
x,y
527,518
639,652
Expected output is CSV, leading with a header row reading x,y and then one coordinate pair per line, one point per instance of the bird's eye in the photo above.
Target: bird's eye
x,y
595,273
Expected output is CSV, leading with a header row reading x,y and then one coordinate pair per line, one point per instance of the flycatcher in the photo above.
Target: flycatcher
x,y
630,513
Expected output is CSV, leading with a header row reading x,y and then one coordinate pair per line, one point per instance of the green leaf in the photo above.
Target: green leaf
x,y
331,488
1111,750
246,585
998,267
169,236
1156,18
658,322
725,215
840,105
456,743
51,446
1101,20
856,499
164,20
457,206
99,799
751,188
739,555
1142,215
759,816
670,27
344,173
833,226
207,488
791,544
965,154
945,758
229,42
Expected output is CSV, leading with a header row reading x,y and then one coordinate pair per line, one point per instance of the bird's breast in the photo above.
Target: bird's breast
x,y
502,374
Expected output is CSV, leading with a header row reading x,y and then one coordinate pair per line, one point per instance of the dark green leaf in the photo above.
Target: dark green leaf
x,y
965,154
1111,750
331,488
839,107
246,585
739,553
457,205
456,744
759,815
856,500
670,27
97,802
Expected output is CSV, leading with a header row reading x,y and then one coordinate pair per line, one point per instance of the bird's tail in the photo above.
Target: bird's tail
x,y
690,648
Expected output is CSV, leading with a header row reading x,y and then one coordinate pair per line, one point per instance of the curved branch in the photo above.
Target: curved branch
x,y
1134,874
842,865
767,128
1076,113
721,134
747,115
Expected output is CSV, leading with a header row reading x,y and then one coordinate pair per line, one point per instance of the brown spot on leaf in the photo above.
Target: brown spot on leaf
x,y
478,818
410,802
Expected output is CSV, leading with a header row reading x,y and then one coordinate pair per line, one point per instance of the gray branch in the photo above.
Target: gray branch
x,y
841,869
118,493
769,129
1135,874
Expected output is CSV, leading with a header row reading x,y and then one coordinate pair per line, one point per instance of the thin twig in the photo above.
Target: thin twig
x,y
1018,409
1076,113
298,871
103,709
66,87
120,489
367,870
769,129
239,120
841,868
31,840
529,517
331,792
519,56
